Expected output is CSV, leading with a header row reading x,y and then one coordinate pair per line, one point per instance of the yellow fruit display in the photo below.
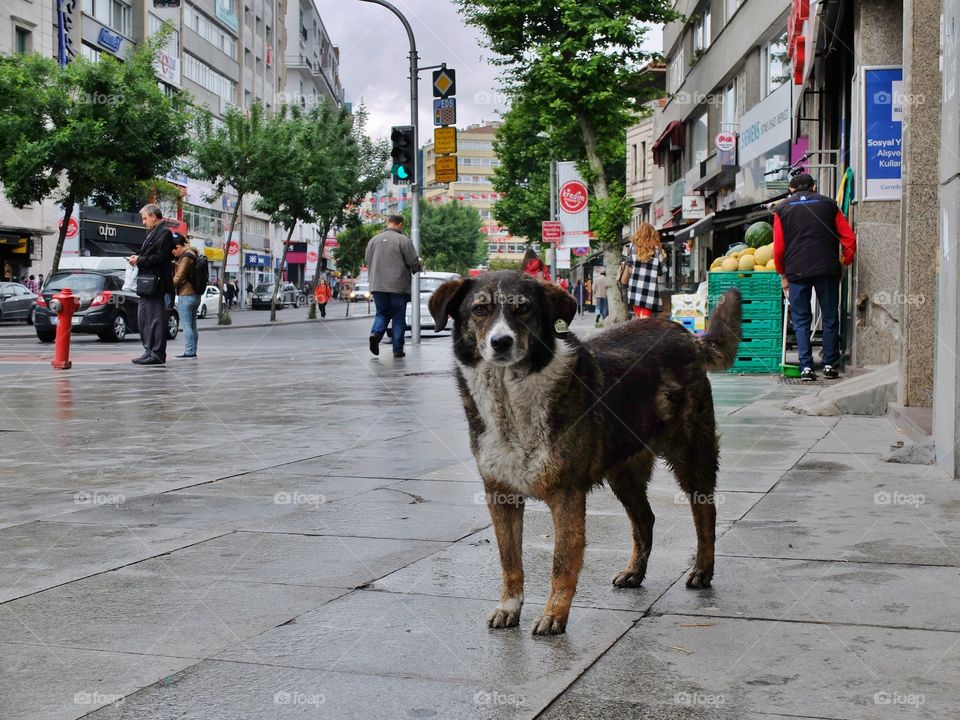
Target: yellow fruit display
x,y
763,255
771,265
746,262
730,265
736,254
759,268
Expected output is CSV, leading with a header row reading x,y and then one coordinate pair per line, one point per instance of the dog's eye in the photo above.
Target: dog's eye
x,y
480,310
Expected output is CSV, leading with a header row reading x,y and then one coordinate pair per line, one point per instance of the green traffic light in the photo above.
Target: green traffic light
x,y
402,173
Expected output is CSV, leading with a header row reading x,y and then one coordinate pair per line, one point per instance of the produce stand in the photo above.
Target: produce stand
x,y
761,344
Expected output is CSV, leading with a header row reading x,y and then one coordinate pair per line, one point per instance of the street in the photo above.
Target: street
x,y
289,527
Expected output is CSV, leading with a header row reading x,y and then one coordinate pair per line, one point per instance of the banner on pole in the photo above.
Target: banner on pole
x,y
572,202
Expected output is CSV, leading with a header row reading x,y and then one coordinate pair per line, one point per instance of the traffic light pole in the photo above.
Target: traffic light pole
x,y
417,171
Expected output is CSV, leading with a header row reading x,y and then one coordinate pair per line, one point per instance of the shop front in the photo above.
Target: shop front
x,y
115,234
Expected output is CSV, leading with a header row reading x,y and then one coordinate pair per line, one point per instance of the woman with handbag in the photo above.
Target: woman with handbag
x,y
644,262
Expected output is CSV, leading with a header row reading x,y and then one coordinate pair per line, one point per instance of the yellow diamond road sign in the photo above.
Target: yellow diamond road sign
x,y
444,83
447,169
444,140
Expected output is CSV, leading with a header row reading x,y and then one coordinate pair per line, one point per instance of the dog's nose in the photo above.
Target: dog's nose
x,y
501,343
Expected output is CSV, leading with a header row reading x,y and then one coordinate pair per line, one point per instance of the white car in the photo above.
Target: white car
x,y
429,282
209,302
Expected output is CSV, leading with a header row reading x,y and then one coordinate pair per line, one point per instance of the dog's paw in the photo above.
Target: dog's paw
x,y
700,578
504,617
549,625
629,578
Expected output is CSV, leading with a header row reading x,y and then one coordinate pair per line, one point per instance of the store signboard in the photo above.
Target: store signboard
x,y
882,132
313,255
766,125
694,207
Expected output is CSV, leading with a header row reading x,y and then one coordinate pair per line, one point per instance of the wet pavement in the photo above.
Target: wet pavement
x,y
290,528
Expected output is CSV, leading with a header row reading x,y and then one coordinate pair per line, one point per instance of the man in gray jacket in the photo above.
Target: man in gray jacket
x,y
392,260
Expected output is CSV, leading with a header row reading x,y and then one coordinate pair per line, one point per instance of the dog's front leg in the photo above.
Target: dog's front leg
x,y
569,509
506,511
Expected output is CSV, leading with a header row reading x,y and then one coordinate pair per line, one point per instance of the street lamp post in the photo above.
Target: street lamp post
x,y
415,180
553,216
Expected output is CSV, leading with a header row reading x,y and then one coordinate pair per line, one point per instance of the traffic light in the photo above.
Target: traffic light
x,y
403,154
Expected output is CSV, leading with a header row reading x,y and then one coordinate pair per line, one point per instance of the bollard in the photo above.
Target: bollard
x,y
64,304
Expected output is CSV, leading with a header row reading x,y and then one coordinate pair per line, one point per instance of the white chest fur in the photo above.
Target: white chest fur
x,y
516,443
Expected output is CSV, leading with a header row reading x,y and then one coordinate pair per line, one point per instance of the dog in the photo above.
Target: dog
x,y
553,417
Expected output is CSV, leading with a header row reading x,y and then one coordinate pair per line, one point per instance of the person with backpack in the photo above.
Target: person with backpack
x,y
188,297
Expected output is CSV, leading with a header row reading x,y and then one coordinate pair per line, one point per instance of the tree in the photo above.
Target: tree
x,y
352,244
228,156
577,63
94,130
450,237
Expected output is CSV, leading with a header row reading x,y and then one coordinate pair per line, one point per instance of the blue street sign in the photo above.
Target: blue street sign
x,y
445,111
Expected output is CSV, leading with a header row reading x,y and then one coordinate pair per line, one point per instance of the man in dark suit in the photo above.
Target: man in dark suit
x,y
155,258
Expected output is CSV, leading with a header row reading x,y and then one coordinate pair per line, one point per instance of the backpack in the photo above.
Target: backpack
x,y
201,274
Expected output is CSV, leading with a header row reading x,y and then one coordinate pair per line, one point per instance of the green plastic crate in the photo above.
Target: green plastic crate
x,y
763,308
756,364
753,285
770,326
756,346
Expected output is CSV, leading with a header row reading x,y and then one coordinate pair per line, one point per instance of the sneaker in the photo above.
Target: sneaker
x,y
399,354
807,375
375,339
830,372
185,356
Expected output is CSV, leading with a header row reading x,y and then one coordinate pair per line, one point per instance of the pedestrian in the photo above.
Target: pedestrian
x,y
40,281
565,285
578,296
32,285
533,265
229,293
322,293
392,260
600,293
188,297
812,242
645,257
154,280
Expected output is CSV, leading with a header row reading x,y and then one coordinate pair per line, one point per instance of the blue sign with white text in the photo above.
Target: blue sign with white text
x,y
110,40
883,105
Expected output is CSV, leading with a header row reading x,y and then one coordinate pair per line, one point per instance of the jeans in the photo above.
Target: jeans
x,y
603,309
828,297
188,318
392,308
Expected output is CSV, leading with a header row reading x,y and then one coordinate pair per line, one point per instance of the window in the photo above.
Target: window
x,y
675,73
643,160
698,139
774,65
116,15
636,162
729,117
23,41
701,30
206,77
210,31
154,24
203,221
90,53
730,7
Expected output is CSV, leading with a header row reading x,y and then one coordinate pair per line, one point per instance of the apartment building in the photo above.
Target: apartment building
x,y
312,60
476,163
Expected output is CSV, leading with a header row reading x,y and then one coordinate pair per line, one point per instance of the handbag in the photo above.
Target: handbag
x,y
148,284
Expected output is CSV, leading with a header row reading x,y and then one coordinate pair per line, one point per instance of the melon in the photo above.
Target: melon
x,y
771,265
746,262
759,268
759,234
763,255
730,265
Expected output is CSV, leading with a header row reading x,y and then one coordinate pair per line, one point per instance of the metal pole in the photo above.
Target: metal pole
x,y
415,180
553,216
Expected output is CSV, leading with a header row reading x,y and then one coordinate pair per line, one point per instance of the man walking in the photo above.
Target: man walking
x,y
154,280
600,295
812,240
392,260
188,297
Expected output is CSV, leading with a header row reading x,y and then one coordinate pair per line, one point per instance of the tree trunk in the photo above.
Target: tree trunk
x,y
276,282
223,315
323,240
600,189
64,226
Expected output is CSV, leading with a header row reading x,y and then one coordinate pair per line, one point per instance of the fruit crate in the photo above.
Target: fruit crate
x,y
770,326
757,346
752,285
763,308
756,364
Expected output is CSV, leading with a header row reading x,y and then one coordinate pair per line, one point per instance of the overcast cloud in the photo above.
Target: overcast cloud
x,y
374,60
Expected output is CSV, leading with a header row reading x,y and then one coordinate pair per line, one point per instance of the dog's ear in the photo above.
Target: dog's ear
x,y
446,299
562,304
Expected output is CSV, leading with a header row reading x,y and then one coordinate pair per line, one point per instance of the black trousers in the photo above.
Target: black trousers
x,y
152,320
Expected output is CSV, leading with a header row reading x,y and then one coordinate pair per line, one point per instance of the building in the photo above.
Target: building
x,y
312,60
476,162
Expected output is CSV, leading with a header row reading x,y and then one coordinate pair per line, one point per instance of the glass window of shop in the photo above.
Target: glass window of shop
x,y
774,64
203,221
116,15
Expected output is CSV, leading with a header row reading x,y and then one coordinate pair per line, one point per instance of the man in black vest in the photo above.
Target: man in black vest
x,y
155,260
812,241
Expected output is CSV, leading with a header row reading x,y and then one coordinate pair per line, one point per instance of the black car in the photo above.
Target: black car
x,y
262,296
106,309
16,302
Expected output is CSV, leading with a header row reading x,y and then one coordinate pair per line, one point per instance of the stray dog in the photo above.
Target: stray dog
x,y
551,417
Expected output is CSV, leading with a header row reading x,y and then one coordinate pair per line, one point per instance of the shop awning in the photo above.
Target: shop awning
x,y
671,136
103,248
700,227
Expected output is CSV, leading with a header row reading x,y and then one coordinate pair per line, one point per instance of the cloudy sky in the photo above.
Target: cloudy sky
x,y
374,60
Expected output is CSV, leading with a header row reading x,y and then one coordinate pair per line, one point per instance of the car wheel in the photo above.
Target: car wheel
x,y
173,326
203,312
46,336
31,315
118,331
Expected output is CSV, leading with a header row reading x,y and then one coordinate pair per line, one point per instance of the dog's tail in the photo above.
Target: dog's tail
x,y
719,346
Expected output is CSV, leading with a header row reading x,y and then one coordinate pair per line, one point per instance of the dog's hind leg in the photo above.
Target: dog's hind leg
x,y
569,510
506,511
694,464
629,484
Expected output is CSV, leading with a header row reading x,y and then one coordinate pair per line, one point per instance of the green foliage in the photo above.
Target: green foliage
x,y
353,241
86,130
503,264
227,154
450,237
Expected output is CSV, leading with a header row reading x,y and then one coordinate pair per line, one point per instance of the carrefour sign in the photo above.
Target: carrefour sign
x,y
766,125
883,103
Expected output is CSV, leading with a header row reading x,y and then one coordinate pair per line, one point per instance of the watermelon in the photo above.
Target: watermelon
x,y
758,234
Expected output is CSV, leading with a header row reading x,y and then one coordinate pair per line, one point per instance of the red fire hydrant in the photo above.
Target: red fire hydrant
x,y
64,304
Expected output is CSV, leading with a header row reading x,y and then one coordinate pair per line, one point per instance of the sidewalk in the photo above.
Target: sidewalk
x,y
166,554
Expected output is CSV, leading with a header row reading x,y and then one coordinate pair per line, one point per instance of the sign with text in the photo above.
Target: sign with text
x,y
233,257
573,201
883,102
694,207
563,258
313,256
766,125
552,231
446,170
445,111
726,143
444,140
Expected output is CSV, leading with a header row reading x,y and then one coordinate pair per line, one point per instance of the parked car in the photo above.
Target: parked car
x,y
16,302
106,309
289,296
361,293
429,282
209,302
